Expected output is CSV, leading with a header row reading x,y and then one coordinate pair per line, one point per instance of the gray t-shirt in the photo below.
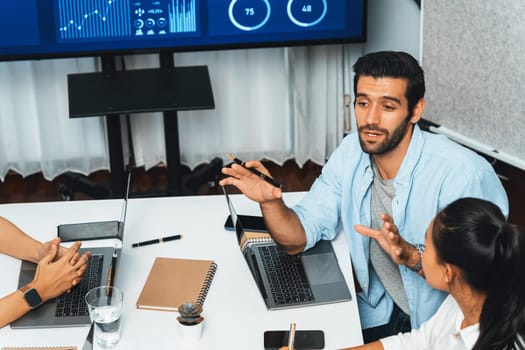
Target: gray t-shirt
x,y
388,272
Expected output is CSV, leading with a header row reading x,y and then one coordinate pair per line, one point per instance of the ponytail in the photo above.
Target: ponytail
x,y
473,235
503,315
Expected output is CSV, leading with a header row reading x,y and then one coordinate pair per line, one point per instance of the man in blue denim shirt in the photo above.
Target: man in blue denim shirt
x,y
382,186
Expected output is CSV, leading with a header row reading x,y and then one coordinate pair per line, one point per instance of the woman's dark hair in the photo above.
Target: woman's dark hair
x,y
394,65
473,235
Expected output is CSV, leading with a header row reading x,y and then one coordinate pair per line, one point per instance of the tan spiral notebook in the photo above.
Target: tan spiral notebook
x,y
172,282
254,237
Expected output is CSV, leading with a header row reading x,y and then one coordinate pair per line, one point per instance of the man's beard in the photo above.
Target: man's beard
x,y
389,143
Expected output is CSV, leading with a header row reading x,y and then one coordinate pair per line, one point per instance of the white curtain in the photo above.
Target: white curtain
x,y
35,131
276,103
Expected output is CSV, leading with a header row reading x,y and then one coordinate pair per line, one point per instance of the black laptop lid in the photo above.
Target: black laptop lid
x,y
96,229
239,229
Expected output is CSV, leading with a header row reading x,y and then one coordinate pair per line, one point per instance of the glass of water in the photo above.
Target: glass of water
x,y
105,307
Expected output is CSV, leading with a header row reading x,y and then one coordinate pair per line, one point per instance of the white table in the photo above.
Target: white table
x,y
236,316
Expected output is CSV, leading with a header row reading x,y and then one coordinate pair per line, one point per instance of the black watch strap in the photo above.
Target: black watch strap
x,y
31,296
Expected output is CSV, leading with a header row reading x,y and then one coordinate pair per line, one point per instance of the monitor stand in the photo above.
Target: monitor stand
x,y
166,89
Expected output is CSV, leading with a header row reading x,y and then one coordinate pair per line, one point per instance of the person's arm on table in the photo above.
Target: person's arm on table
x,y
59,269
52,278
16,243
282,222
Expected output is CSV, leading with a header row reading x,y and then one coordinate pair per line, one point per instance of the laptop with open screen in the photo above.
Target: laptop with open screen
x,y
70,309
96,229
284,281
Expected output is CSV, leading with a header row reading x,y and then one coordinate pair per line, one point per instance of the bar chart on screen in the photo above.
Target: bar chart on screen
x,y
110,19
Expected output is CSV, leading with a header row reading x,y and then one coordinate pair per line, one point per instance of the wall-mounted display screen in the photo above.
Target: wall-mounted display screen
x,y
32,29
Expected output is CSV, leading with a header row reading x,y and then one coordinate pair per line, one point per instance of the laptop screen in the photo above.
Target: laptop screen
x,y
235,220
125,206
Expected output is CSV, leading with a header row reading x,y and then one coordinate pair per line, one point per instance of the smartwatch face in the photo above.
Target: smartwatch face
x,y
33,298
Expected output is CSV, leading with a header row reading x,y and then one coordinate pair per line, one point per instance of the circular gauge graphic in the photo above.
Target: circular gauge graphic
x,y
138,23
307,13
162,22
249,14
150,23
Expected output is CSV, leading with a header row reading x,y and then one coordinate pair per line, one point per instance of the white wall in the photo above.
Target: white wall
x,y
475,74
393,25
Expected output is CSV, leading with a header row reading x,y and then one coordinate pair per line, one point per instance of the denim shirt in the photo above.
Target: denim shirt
x,y
434,172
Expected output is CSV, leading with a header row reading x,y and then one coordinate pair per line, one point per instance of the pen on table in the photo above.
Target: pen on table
x,y
291,336
156,240
255,171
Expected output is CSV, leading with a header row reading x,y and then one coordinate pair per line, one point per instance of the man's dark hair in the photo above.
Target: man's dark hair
x,y
393,64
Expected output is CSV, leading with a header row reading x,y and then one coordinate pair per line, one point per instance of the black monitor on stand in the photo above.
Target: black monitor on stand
x,y
76,28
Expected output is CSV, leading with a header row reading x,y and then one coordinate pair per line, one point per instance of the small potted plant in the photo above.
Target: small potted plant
x,y
190,314
191,321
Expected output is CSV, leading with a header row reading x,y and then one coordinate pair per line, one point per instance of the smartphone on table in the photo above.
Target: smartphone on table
x,y
304,339
249,222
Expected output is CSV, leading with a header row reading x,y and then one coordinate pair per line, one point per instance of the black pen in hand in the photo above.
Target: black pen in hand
x,y
156,240
255,171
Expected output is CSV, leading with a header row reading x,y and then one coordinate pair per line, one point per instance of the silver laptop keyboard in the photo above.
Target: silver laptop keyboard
x,y
73,303
288,281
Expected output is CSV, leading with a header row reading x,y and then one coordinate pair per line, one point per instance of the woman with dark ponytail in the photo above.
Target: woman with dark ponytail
x,y
476,256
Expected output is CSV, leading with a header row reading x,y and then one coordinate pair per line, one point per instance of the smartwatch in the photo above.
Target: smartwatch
x,y
418,266
31,296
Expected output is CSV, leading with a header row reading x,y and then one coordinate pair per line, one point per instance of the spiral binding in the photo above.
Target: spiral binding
x,y
206,285
259,240
256,240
